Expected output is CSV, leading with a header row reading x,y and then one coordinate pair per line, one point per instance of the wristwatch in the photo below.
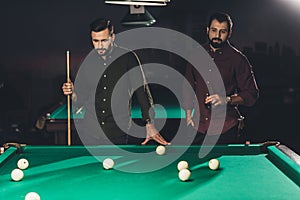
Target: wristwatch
x,y
228,100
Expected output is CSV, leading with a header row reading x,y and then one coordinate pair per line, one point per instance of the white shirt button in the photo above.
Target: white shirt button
x,y
104,75
104,99
103,111
102,123
104,88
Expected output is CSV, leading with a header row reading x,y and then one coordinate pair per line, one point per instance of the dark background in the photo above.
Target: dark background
x,y
36,34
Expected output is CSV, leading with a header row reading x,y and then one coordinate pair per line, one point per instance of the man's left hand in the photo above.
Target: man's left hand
x,y
153,134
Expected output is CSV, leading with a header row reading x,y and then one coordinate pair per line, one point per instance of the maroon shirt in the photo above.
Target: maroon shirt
x,y
238,77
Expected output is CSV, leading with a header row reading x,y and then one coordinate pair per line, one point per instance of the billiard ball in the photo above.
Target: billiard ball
x,y
160,150
32,196
17,175
1,150
182,165
23,163
214,164
184,174
108,163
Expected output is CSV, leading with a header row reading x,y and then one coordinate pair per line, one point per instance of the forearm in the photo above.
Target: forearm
x,y
188,113
145,104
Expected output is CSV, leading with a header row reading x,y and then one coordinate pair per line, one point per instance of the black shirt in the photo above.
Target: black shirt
x,y
105,88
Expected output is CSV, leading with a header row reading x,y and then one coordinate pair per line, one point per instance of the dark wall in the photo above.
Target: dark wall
x,y
36,34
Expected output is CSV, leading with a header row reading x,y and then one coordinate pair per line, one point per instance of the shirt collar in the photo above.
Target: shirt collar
x,y
224,48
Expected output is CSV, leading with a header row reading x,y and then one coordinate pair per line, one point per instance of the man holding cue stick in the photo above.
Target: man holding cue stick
x,y
113,63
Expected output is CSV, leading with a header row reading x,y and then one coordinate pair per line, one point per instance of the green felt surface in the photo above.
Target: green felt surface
x,y
58,172
169,112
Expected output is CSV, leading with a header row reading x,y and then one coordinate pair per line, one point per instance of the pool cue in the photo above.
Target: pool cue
x,y
69,99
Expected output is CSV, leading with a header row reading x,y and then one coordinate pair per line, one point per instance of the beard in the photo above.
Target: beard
x,y
104,51
216,42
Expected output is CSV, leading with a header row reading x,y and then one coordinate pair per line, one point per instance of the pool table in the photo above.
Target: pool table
x,y
255,171
56,118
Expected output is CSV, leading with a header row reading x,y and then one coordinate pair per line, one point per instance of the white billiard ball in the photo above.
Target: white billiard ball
x,y
214,164
160,150
17,175
182,165
23,163
184,174
108,163
1,150
32,196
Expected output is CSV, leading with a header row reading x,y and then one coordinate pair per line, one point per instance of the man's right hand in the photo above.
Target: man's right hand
x,y
189,118
189,121
67,88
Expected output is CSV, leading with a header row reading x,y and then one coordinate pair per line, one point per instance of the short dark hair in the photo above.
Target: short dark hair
x,y
101,24
221,17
